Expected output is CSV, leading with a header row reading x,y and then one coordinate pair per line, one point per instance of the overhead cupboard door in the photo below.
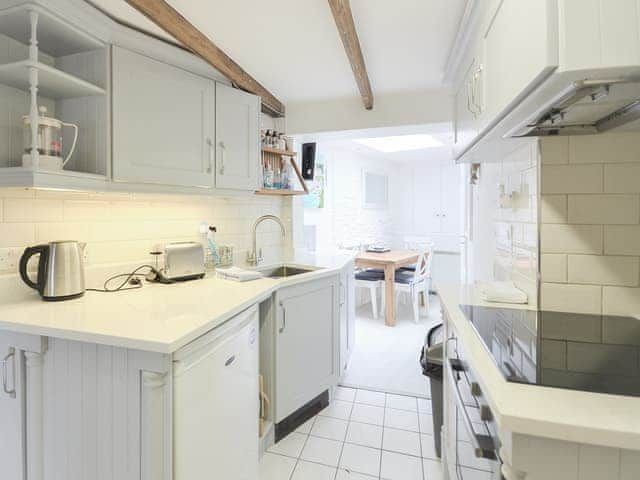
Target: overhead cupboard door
x,y
163,123
237,139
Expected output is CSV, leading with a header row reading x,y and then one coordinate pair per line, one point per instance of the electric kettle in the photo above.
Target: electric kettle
x,y
60,270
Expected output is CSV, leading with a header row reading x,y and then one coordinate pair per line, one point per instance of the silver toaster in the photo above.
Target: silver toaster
x,y
183,261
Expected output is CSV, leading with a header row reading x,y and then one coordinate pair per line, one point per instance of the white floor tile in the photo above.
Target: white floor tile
x,y
312,471
401,419
291,445
424,405
306,426
276,467
396,466
322,450
401,441
367,414
348,475
402,402
426,423
432,469
327,427
338,409
365,434
371,398
471,474
357,458
428,446
345,394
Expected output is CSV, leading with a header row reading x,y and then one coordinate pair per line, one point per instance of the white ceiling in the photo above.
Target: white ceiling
x,y
292,46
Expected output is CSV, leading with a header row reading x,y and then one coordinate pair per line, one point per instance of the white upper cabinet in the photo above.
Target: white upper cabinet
x,y
437,196
237,144
163,123
12,439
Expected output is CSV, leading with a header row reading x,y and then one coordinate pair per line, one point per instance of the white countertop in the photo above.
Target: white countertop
x,y
562,414
156,318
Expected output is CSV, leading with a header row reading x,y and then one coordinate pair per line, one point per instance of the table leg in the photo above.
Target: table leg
x,y
390,300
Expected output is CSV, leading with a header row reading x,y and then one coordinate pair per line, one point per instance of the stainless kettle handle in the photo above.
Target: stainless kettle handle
x,y
43,251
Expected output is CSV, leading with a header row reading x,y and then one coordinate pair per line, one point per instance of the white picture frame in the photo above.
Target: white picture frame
x,y
375,189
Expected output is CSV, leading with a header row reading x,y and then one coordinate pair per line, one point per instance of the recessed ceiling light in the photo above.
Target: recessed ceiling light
x,y
400,143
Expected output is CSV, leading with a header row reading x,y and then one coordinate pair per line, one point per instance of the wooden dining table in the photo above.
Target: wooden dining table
x,y
389,262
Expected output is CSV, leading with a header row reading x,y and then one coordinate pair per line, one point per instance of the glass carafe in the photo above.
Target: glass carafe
x,y
49,141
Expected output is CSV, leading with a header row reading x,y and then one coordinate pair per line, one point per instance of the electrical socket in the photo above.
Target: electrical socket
x,y
9,259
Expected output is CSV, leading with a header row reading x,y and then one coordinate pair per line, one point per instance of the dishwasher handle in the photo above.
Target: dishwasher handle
x,y
483,445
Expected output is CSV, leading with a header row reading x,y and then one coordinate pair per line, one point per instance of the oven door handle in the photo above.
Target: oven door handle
x,y
483,446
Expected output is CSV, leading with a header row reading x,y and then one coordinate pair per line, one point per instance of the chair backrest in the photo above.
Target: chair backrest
x,y
423,266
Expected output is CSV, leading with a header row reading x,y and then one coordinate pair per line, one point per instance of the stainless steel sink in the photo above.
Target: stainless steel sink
x,y
284,271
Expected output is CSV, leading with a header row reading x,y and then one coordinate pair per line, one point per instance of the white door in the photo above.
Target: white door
x,y
427,208
344,322
216,405
451,199
163,123
237,139
306,344
12,454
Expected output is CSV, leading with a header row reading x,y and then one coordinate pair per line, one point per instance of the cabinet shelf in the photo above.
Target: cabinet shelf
x,y
63,180
52,83
277,151
280,191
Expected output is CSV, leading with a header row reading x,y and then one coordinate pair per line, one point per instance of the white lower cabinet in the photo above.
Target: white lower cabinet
x,y
347,302
307,339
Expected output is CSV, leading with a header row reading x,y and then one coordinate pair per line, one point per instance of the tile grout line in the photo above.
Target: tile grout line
x,y
384,417
344,441
420,442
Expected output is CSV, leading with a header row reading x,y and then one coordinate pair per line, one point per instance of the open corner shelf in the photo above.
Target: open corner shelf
x,y
45,179
52,83
279,191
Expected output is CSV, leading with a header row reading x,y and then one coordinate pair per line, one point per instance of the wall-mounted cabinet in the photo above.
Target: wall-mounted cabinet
x,y
163,123
237,139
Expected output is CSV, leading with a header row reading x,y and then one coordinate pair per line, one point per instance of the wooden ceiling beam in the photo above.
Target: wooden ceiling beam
x,y
343,17
170,20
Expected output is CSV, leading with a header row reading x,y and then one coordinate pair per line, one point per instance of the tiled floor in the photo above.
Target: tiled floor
x,y
362,435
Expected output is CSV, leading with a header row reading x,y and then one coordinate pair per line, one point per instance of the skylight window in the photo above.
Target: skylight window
x,y
400,143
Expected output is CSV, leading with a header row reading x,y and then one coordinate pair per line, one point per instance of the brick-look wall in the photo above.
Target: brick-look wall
x,y
590,223
121,228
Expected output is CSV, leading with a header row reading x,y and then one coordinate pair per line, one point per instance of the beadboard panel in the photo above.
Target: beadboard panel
x,y
94,416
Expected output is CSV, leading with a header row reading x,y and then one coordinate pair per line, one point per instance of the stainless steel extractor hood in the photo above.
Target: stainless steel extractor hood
x,y
585,107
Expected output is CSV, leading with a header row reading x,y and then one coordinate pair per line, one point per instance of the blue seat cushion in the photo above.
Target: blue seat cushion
x,y
405,277
371,275
409,268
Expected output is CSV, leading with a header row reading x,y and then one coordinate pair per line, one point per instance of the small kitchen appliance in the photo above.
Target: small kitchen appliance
x,y
60,270
49,141
183,261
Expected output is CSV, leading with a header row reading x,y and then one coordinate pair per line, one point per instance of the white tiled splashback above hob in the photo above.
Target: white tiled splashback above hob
x,y
122,228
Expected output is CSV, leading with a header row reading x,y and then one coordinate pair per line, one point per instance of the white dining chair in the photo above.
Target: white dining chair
x,y
414,284
372,280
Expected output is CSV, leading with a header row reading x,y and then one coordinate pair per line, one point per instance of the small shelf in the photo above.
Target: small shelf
x,y
52,83
55,36
277,151
63,180
279,191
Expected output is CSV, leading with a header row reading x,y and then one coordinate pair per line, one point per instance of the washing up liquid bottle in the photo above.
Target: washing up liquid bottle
x,y
211,243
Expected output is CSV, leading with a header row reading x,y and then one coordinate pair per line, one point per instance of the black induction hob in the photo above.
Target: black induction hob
x,y
595,353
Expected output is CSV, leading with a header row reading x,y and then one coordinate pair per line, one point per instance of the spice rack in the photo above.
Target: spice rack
x,y
273,156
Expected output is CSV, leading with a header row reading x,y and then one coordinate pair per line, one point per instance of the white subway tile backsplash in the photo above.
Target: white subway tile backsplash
x,y
563,179
554,150
123,227
622,240
571,298
622,178
553,209
554,267
571,238
604,209
604,270
32,210
609,148
621,301
16,234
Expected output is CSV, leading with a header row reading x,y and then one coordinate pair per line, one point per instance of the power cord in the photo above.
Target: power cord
x,y
131,279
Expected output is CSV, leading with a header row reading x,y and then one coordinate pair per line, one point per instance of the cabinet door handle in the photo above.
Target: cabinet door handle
x,y
211,155
284,318
11,356
222,150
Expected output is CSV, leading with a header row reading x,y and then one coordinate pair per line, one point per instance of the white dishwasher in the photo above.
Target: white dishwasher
x,y
216,403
